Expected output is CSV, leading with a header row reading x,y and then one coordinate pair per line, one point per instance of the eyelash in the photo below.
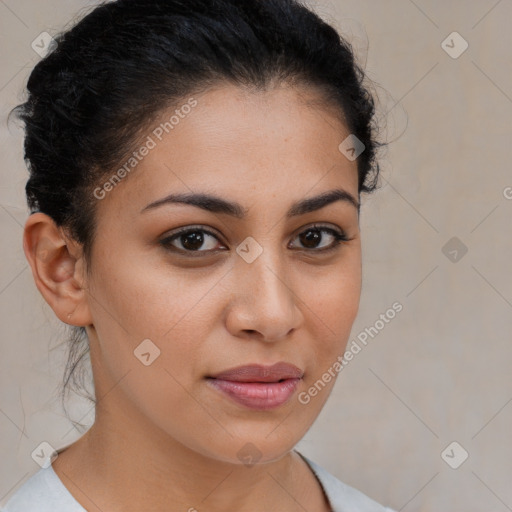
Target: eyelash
x,y
339,237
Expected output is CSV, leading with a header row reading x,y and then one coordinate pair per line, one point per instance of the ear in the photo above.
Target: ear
x,y
58,267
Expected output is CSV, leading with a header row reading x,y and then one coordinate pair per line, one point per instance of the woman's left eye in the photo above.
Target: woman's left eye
x,y
314,234
191,240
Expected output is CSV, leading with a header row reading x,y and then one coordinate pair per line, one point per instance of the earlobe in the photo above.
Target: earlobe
x,y
57,268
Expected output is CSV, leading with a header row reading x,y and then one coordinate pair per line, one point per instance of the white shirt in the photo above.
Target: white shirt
x,y
45,492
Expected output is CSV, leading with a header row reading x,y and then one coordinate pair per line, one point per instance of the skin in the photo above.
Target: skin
x,y
161,423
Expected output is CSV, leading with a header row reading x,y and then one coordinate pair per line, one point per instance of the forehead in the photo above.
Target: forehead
x,y
278,142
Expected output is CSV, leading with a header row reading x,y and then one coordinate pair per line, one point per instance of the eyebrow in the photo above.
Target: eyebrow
x,y
216,204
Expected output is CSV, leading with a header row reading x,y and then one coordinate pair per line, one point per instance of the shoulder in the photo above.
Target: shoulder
x,y
42,492
343,497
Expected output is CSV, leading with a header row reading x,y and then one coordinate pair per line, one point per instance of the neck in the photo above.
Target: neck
x,y
121,463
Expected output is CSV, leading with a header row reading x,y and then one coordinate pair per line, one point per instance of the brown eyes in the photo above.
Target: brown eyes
x,y
198,241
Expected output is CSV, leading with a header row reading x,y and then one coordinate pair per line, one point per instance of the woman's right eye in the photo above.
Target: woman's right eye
x,y
190,240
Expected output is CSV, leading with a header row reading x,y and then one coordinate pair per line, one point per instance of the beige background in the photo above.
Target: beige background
x,y
440,370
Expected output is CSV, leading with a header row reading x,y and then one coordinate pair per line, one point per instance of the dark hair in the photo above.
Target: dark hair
x,y
92,98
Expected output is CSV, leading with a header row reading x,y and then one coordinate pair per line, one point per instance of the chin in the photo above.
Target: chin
x,y
258,448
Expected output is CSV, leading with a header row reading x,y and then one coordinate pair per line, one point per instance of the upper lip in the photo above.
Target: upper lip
x,y
260,373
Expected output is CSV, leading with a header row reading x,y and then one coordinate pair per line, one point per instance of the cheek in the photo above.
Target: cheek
x,y
171,311
143,299
174,309
335,291
331,303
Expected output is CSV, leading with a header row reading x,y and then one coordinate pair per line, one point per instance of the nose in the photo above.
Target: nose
x,y
264,304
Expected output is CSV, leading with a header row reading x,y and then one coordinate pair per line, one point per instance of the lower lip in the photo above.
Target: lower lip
x,y
257,395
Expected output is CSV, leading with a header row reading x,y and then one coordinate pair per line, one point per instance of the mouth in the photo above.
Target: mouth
x,y
258,387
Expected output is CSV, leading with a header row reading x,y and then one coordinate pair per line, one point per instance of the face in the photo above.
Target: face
x,y
209,290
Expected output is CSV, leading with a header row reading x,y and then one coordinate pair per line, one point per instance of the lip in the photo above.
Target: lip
x,y
260,373
258,387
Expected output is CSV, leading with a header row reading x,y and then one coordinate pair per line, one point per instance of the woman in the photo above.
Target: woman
x,y
196,168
